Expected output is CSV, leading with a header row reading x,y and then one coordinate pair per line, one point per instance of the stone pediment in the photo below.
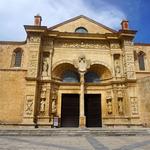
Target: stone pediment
x,y
82,21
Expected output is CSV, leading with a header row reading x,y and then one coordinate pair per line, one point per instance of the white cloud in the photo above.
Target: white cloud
x,y
15,13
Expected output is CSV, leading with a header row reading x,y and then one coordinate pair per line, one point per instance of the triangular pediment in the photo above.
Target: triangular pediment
x,y
82,21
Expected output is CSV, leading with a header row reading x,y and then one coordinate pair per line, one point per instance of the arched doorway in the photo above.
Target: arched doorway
x,y
67,75
70,97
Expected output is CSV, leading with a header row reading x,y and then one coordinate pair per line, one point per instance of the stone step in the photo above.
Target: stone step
x,y
74,132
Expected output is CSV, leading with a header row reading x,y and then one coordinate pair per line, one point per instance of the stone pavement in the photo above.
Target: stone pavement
x,y
75,142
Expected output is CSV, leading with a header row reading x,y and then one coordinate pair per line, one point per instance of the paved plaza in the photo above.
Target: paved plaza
x,y
74,142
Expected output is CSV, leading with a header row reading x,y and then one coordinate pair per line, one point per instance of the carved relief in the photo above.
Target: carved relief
x,y
99,44
129,66
82,64
29,105
115,46
134,105
32,66
128,42
35,39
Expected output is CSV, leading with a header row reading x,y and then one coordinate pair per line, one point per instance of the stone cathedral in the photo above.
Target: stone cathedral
x,y
78,73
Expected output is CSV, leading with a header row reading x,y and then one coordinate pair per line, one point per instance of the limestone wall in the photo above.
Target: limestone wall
x,y
12,94
144,97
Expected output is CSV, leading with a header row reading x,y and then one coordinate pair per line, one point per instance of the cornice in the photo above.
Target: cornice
x,y
141,44
13,42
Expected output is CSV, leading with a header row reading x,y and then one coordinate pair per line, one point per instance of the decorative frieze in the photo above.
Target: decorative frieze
x,y
115,45
92,44
34,39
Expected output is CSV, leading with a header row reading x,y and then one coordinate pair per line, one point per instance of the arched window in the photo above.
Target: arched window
x,y
17,57
81,30
141,61
92,77
70,76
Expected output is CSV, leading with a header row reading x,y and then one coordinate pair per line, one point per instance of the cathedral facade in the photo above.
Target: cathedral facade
x,y
78,73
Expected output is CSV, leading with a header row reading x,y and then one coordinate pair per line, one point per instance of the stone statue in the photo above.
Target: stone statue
x,y
120,105
109,106
109,102
42,105
117,68
45,67
53,106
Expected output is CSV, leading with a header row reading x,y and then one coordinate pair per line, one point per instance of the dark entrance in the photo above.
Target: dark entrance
x,y
93,110
70,110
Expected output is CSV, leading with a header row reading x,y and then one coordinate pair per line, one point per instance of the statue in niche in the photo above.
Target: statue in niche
x,y
120,105
42,105
45,67
109,106
117,68
42,99
53,105
109,102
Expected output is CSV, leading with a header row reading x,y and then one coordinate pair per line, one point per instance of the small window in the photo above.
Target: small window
x,y
81,30
141,56
92,77
70,76
17,57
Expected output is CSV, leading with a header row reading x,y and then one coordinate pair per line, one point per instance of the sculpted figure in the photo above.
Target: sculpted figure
x,y
53,106
117,68
109,106
42,105
45,67
120,106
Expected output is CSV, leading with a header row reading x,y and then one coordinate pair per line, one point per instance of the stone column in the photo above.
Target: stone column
x,y
82,121
82,64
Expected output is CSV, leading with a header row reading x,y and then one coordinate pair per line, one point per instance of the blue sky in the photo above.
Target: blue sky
x,y
16,13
